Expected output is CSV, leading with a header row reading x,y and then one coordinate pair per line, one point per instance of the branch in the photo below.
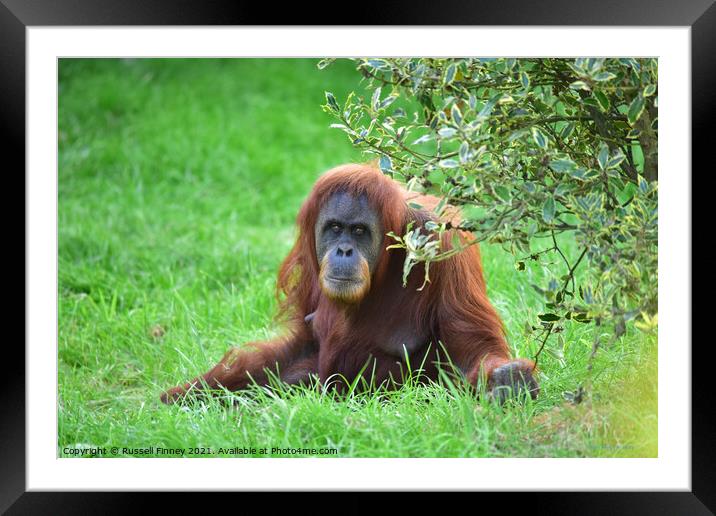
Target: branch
x,y
548,332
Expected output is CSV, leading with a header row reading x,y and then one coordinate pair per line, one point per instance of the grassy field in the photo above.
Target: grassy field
x,y
179,182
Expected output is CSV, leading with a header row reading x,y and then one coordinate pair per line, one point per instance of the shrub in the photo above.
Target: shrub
x,y
533,151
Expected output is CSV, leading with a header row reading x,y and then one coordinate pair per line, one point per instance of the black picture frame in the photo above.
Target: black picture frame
x,y
699,15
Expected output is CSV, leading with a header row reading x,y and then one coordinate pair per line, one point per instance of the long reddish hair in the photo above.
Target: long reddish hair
x,y
457,290
299,270
452,312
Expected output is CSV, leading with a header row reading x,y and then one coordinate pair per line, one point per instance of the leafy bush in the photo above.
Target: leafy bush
x,y
535,152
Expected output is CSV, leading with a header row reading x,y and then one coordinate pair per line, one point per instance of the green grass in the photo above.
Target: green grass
x,y
179,182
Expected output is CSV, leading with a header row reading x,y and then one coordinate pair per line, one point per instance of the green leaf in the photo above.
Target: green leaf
x,y
589,174
616,159
440,206
387,101
506,99
323,63
386,165
649,90
450,74
503,193
332,102
567,130
541,139
379,64
376,98
643,184
636,108
456,114
464,152
582,174
562,189
525,80
549,317
548,210
604,76
562,165
489,106
602,99
448,163
580,85
581,318
603,156
514,135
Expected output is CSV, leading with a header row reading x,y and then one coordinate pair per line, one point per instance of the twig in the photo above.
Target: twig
x,y
548,332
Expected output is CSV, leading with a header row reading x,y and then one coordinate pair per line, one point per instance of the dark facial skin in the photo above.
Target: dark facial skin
x,y
348,235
